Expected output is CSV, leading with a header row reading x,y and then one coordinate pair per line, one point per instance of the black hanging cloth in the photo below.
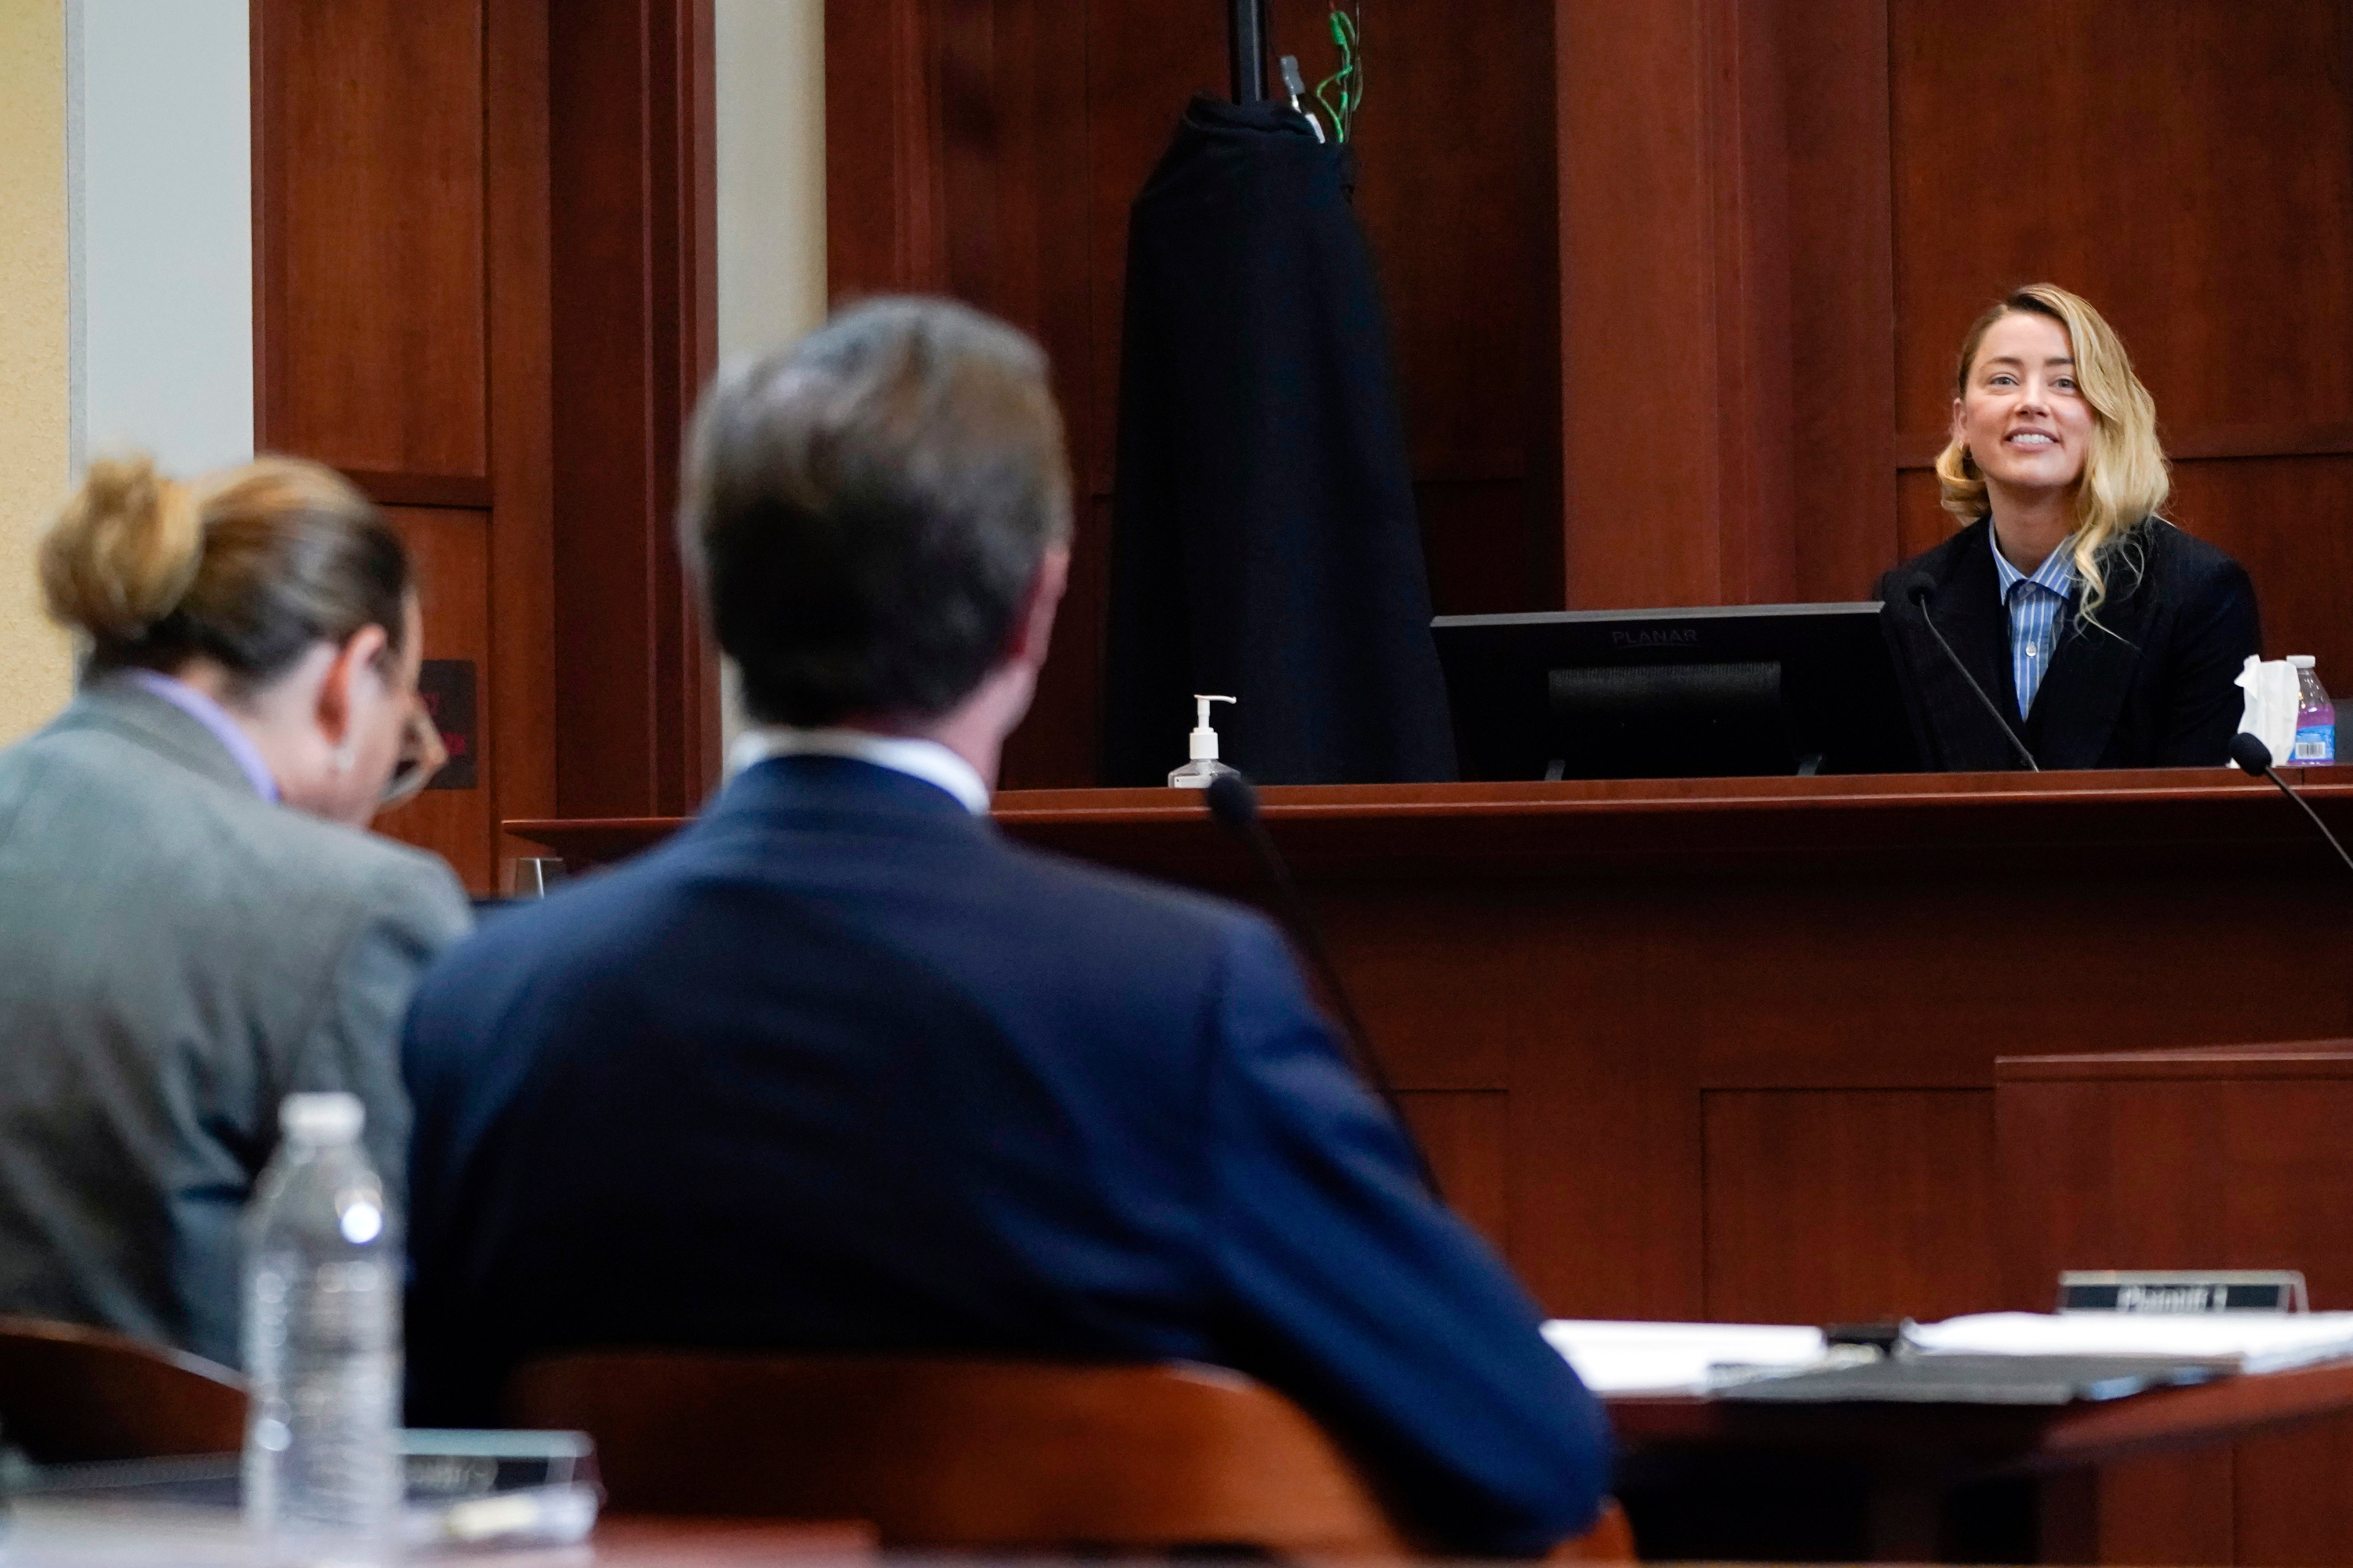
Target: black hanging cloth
x,y
1265,545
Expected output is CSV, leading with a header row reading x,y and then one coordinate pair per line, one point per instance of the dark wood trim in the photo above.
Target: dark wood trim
x,y
1741,93
704,739
1675,228
269,212
1975,1438
2293,1059
462,492
630,149
1638,279
1838,137
2176,818
519,730
884,207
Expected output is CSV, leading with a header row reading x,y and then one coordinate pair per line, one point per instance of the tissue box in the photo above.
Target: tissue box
x,y
2272,697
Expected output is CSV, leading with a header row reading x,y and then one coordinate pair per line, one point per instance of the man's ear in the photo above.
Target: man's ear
x,y
1033,628
359,656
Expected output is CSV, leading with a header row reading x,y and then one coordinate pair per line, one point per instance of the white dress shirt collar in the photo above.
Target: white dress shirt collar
x,y
926,760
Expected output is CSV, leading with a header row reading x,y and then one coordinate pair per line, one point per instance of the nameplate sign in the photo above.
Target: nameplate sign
x,y
2182,1291
446,686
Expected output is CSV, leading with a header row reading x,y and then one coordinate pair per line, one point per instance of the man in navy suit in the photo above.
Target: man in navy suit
x,y
839,1068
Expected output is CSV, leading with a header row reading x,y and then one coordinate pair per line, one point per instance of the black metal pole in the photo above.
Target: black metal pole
x,y
1246,49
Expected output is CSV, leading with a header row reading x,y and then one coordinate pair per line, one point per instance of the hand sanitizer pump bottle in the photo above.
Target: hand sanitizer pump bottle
x,y
1205,766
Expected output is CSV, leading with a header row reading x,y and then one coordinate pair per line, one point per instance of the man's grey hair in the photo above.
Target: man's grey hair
x,y
866,512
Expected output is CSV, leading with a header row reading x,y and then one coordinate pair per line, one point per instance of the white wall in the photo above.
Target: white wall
x,y
36,661
160,160
771,113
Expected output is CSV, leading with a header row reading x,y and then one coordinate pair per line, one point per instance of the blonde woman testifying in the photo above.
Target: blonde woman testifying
x,y
192,924
2109,637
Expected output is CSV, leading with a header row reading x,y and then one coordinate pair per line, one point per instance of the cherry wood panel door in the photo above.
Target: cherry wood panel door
x,y
481,289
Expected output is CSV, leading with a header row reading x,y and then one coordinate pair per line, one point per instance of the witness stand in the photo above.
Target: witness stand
x,y
1724,1048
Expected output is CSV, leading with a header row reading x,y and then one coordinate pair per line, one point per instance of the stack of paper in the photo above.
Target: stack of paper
x,y
1627,1358
2235,1341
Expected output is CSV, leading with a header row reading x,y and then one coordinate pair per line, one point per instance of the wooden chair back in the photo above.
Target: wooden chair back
x,y
71,1393
950,1453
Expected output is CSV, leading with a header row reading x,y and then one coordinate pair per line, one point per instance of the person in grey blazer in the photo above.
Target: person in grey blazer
x,y
194,922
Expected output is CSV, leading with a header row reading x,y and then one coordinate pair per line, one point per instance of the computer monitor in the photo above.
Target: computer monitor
x,y
1714,692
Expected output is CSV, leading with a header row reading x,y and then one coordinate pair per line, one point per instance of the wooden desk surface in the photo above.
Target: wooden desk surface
x,y
1948,1482
1952,1440
89,1531
2226,1064
1596,824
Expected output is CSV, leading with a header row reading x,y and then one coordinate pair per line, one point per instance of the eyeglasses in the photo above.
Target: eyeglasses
x,y
422,756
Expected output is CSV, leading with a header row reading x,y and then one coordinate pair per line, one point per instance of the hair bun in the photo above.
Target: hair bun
x,y
122,551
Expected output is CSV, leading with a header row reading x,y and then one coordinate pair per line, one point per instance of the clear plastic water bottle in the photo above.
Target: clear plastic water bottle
x,y
322,1475
2316,716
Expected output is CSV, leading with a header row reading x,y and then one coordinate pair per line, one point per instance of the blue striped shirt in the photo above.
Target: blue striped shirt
x,y
2034,604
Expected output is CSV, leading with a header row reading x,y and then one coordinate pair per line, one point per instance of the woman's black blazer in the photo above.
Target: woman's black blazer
x,y
2150,685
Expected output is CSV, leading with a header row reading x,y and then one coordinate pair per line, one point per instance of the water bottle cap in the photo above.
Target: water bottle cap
x,y
323,1118
2301,660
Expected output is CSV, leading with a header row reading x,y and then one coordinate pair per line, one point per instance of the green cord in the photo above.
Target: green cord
x,y
1350,77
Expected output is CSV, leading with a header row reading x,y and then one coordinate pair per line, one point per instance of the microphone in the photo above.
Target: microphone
x,y
2253,756
1916,588
1235,805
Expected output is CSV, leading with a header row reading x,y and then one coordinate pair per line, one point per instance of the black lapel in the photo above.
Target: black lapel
x,y
1969,610
2082,692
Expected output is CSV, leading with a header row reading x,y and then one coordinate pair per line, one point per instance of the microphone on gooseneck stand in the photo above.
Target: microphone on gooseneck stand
x,y
2253,756
1235,805
1916,588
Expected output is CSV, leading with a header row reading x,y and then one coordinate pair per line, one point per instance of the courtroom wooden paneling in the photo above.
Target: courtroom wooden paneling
x,y
2187,166
362,200
517,695
452,549
959,161
1825,962
410,312
1460,204
632,297
2289,521
2232,1158
1466,1136
1638,317
1676,288
1848,1205
1676,311
1842,293
1621,976
373,335
2217,1160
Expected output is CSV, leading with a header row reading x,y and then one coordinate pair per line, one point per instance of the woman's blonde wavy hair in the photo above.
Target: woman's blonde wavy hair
x,y
2125,477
